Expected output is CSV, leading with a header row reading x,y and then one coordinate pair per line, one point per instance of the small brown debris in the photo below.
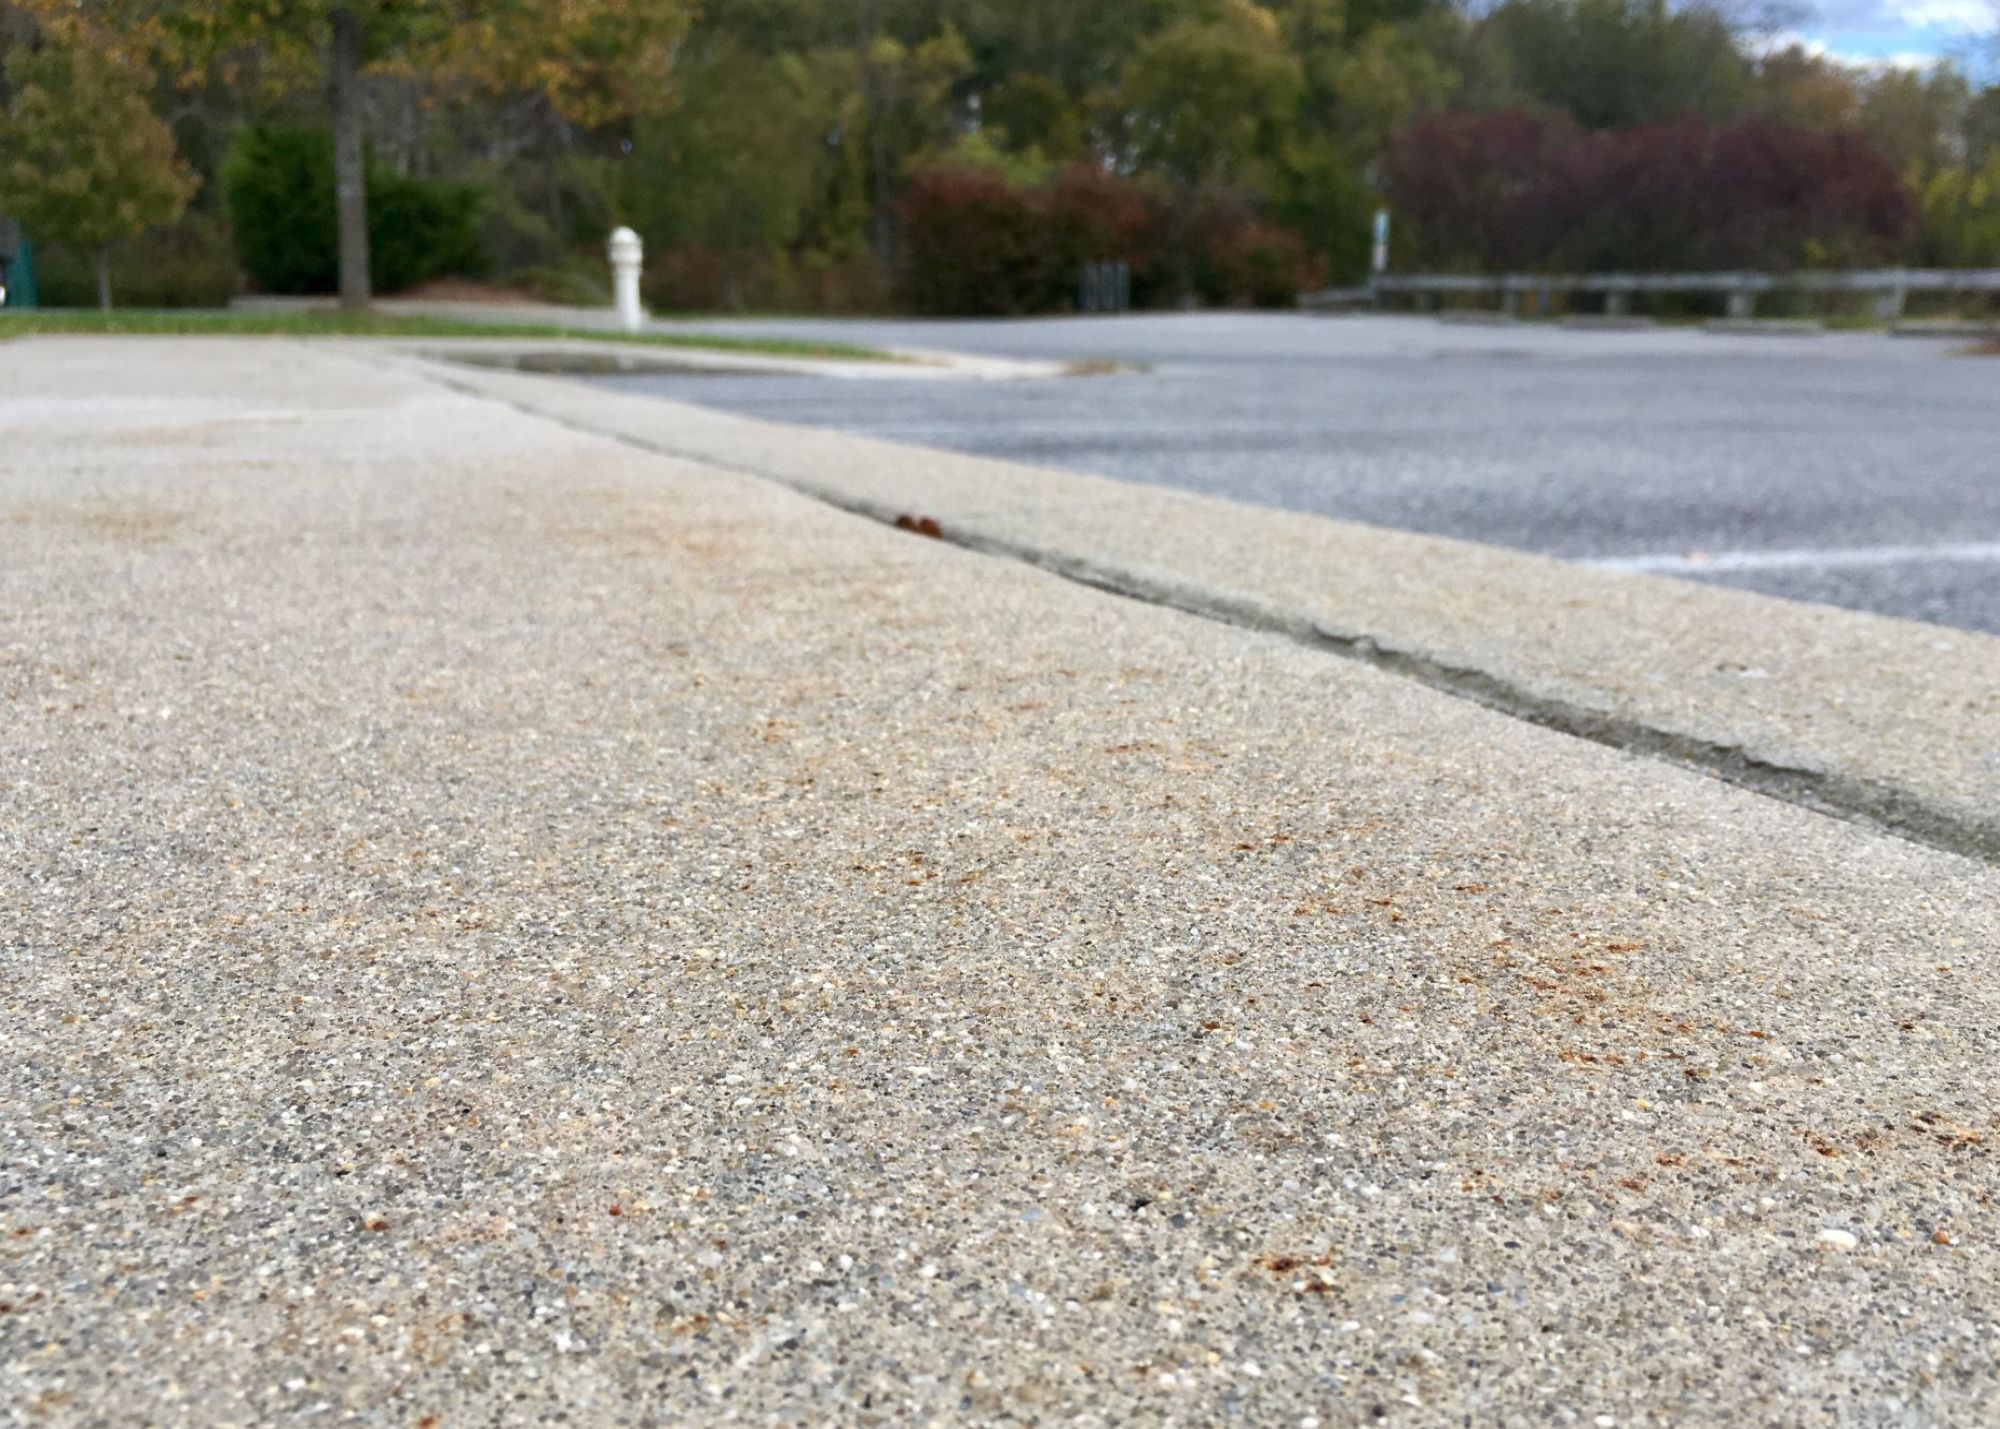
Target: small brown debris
x,y
921,526
375,1223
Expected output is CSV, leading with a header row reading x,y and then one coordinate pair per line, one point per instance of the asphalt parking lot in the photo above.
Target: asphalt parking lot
x,y
1848,468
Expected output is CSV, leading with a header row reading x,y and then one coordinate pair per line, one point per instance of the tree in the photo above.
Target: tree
x,y
1982,124
1612,63
1384,79
1205,98
1513,191
83,158
1811,91
1961,208
1031,111
1916,119
733,165
903,92
592,61
1471,185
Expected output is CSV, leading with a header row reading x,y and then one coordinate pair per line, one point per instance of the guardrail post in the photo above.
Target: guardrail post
x,y
1889,302
1742,304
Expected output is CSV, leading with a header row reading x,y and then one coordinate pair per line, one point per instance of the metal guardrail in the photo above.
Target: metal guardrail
x,y
1891,286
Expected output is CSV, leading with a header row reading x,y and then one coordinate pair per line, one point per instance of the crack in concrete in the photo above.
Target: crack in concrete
x,y
1881,807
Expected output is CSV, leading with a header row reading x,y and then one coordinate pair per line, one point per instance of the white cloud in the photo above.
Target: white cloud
x,y
1820,50
1945,14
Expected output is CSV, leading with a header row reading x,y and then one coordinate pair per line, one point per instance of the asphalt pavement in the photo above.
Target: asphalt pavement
x,y
1853,469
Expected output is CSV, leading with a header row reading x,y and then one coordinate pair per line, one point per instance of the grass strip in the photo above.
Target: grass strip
x,y
332,323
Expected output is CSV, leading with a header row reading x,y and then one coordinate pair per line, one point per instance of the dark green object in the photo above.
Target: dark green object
x,y
278,180
21,278
17,266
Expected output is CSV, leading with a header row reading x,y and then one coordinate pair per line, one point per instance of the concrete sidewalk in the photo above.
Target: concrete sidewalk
x,y
1889,721
500,923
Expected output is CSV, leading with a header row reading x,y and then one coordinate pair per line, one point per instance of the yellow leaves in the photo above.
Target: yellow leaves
x,y
85,158
1252,18
593,60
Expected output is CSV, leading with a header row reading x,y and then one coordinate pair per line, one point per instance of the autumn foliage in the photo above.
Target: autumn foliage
x,y
1509,190
974,242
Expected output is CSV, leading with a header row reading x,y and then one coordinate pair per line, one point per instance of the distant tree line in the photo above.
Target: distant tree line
x,y
1524,191
959,155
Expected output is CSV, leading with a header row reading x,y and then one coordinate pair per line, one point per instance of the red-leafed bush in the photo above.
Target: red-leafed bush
x,y
1515,191
693,278
975,244
1096,216
1477,187
1260,265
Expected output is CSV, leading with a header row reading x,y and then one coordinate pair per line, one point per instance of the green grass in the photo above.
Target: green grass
x,y
41,322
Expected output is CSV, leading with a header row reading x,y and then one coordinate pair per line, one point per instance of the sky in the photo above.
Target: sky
x,y
1908,32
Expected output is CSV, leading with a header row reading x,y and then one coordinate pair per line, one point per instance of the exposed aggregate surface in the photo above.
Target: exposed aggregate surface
x,y
497,927
1575,443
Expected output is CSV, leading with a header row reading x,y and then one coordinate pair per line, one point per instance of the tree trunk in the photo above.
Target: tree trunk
x,y
104,278
883,207
881,214
350,179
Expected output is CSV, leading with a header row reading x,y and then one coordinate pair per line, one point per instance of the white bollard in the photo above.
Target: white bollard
x,y
627,255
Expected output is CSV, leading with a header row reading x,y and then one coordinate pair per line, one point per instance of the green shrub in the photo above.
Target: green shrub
x,y
572,281
693,278
515,237
420,229
278,180
180,265
826,283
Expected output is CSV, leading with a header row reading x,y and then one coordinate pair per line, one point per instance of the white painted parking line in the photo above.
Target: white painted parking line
x,y
1699,561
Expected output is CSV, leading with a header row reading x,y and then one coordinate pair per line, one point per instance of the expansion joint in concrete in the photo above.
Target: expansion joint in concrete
x,y
1881,807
